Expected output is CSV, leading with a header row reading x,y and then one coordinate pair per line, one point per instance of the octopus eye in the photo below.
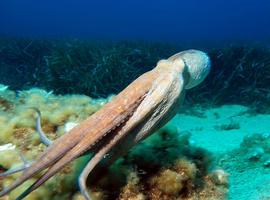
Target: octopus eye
x,y
198,66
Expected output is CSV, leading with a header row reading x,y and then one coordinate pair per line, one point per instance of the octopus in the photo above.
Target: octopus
x,y
143,107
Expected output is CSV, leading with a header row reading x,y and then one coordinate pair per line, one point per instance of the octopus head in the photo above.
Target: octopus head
x,y
197,66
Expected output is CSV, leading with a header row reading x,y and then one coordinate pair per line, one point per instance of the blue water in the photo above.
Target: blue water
x,y
97,47
163,20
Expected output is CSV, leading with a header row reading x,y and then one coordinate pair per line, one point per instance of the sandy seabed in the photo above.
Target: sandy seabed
x,y
222,131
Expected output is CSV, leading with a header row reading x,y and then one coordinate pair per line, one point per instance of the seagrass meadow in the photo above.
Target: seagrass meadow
x,y
94,66
217,147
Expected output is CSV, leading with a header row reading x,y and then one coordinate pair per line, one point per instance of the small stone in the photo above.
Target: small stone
x,y
69,126
255,154
266,163
220,177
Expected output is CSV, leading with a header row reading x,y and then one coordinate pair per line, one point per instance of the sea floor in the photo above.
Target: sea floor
x,y
237,137
221,131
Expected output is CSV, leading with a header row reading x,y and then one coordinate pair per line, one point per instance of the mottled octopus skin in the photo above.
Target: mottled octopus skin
x,y
140,109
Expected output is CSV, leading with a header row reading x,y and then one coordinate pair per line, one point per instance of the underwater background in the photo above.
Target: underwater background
x,y
69,58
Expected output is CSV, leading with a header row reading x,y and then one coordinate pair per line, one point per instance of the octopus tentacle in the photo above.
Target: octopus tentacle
x,y
154,99
90,131
78,150
43,138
